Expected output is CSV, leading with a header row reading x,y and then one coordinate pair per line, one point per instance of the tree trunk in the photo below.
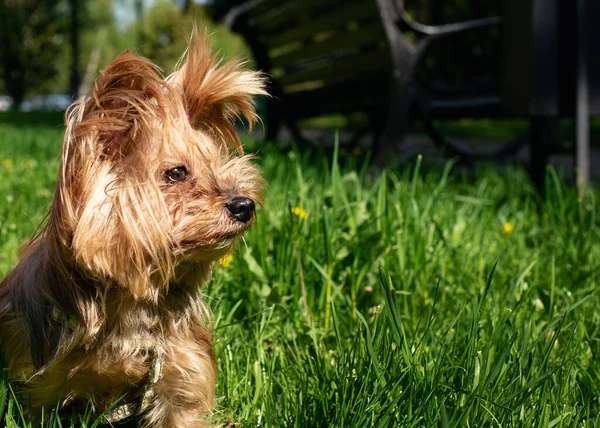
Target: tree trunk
x,y
75,77
12,67
139,11
15,86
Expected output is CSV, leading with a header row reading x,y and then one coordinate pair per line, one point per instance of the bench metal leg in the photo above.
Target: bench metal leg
x,y
393,132
543,133
582,127
273,120
299,137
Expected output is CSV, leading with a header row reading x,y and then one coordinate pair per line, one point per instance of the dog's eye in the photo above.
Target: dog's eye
x,y
177,174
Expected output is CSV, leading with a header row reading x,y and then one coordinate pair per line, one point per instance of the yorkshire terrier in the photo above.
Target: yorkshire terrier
x,y
105,305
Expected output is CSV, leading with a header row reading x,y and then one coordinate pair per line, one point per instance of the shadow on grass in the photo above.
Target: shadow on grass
x,y
34,119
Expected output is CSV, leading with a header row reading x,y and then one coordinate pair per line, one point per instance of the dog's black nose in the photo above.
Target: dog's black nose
x,y
242,209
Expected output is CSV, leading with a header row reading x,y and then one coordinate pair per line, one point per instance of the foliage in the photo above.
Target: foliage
x,y
98,31
30,40
35,53
419,297
165,29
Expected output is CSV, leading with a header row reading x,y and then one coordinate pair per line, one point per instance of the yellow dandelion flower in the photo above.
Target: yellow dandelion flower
x,y
299,212
225,261
508,228
7,163
30,164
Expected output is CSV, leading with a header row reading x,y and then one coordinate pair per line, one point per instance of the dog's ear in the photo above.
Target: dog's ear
x,y
107,209
216,94
128,94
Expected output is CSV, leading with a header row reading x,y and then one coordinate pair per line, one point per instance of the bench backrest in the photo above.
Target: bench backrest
x,y
325,55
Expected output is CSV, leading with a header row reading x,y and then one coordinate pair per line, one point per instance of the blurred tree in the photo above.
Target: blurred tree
x,y
30,41
139,16
43,50
166,26
163,33
75,76
186,6
99,42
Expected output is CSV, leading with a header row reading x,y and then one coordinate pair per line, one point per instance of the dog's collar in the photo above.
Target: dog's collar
x,y
142,400
59,316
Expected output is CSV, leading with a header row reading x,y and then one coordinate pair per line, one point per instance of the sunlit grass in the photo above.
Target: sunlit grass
x,y
419,297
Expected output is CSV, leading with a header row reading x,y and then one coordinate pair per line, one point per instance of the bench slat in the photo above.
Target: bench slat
x,y
332,21
341,41
343,98
288,12
341,69
260,7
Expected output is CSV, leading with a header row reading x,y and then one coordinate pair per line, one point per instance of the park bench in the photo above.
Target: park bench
x,y
330,57
333,56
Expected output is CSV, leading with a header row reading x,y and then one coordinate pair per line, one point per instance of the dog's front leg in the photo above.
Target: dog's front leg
x,y
186,388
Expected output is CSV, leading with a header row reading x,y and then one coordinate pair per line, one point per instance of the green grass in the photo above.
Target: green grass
x,y
398,300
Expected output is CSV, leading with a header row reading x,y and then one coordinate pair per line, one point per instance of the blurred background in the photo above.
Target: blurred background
x,y
497,79
51,50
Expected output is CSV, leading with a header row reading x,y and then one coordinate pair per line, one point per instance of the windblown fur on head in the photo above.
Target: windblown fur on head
x,y
108,205
215,95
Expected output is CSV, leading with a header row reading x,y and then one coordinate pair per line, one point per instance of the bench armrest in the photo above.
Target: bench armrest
x,y
233,15
446,29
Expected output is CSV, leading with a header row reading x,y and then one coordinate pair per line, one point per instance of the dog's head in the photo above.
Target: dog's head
x,y
153,176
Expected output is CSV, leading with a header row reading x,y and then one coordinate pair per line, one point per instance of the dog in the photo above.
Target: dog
x,y
105,304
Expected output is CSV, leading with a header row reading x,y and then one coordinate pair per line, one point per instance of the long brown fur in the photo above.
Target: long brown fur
x,y
125,250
